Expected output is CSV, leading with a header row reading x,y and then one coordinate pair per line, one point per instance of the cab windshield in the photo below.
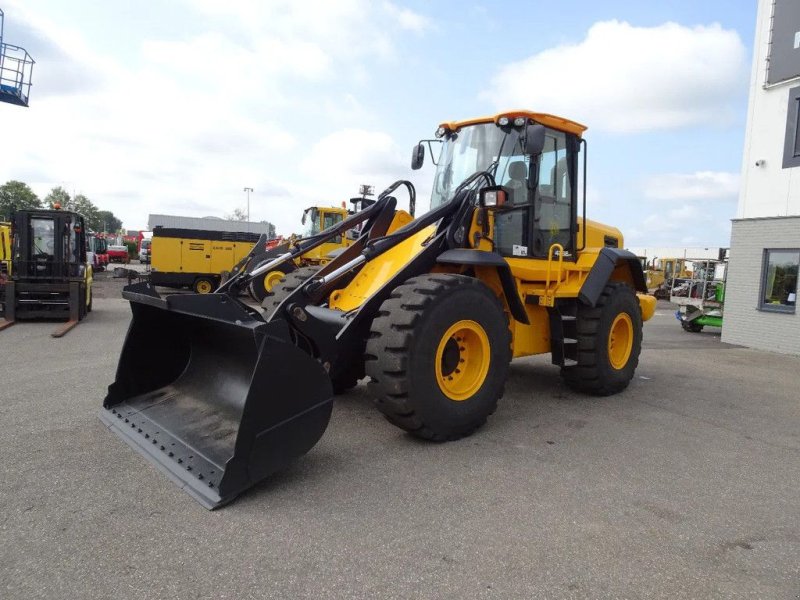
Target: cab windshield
x,y
482,147
311,222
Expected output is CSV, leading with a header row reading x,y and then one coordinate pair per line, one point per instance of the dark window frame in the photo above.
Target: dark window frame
x,y
791,144
777,308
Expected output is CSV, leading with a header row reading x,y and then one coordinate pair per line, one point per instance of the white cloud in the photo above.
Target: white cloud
x,y
687,224
344,28
623,78
182,124
701,185
406,18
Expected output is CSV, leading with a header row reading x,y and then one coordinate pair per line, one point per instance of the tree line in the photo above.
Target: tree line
x,y
16,195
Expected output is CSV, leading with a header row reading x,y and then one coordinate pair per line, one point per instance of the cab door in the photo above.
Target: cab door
x,y
541,207
329,219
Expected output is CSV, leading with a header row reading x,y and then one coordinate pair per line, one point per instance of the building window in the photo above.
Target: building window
x,y
779,280
783,62
791,146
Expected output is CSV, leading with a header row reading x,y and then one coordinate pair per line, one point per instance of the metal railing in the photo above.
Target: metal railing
x,y
16,72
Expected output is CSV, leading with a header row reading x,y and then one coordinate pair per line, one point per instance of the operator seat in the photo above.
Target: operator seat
x,y
518,182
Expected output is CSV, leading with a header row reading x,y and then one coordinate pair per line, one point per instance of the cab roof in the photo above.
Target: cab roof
x,y
545,119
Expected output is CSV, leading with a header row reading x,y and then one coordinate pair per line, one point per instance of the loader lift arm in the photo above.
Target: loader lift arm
x,y
367,215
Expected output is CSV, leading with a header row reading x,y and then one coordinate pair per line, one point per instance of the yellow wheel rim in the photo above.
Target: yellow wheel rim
x,y
620,341
203,287
271,279
462,360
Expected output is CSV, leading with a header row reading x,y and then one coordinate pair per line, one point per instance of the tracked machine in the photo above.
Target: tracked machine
x,y
501,266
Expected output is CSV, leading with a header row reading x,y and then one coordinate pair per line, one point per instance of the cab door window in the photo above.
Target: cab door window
x,y
512,224
329,219
553,205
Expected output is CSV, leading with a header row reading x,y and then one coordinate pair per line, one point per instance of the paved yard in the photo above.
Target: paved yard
x,y
685,486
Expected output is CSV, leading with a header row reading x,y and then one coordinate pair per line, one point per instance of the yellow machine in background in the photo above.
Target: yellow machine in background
x,y
316,219
194,258
5,250
5,260
666,270
654,278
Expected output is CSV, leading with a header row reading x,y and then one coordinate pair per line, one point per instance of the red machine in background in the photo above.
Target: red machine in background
x,y
97,245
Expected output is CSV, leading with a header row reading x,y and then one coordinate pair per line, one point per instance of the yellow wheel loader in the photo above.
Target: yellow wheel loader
x,y
315,219
502,266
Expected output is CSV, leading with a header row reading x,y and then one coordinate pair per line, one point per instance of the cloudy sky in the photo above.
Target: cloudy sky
x,y
174,107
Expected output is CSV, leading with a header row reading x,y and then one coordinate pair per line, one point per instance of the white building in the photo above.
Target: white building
x,y
761,292
679,252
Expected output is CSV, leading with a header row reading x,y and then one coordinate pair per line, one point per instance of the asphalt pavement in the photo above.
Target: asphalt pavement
x,y
687,485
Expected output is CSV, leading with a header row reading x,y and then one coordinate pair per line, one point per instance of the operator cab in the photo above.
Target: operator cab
x,y
49,244
318,219
540,185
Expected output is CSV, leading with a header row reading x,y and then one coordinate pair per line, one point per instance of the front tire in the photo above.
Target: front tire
x,y
203,285
438,356
609,342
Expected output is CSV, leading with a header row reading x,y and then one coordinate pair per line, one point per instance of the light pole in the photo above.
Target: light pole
x,y
248,190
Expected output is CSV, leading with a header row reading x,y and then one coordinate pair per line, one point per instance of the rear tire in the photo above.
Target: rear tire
x,y
261,287
287,284
438,356
609,342
691,326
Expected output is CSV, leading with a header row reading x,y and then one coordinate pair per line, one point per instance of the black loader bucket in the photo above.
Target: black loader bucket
x,y
211,394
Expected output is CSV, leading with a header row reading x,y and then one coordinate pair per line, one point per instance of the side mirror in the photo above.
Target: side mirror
x,y
534,139
417,156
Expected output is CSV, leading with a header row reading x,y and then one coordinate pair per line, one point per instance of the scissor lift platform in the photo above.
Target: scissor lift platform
x,y
16,71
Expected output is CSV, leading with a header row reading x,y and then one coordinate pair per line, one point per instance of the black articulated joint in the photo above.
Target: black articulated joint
x,y
607,260
482,258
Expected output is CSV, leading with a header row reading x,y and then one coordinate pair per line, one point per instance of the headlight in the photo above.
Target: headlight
x,y
502,121
493,197
519,121
440,132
